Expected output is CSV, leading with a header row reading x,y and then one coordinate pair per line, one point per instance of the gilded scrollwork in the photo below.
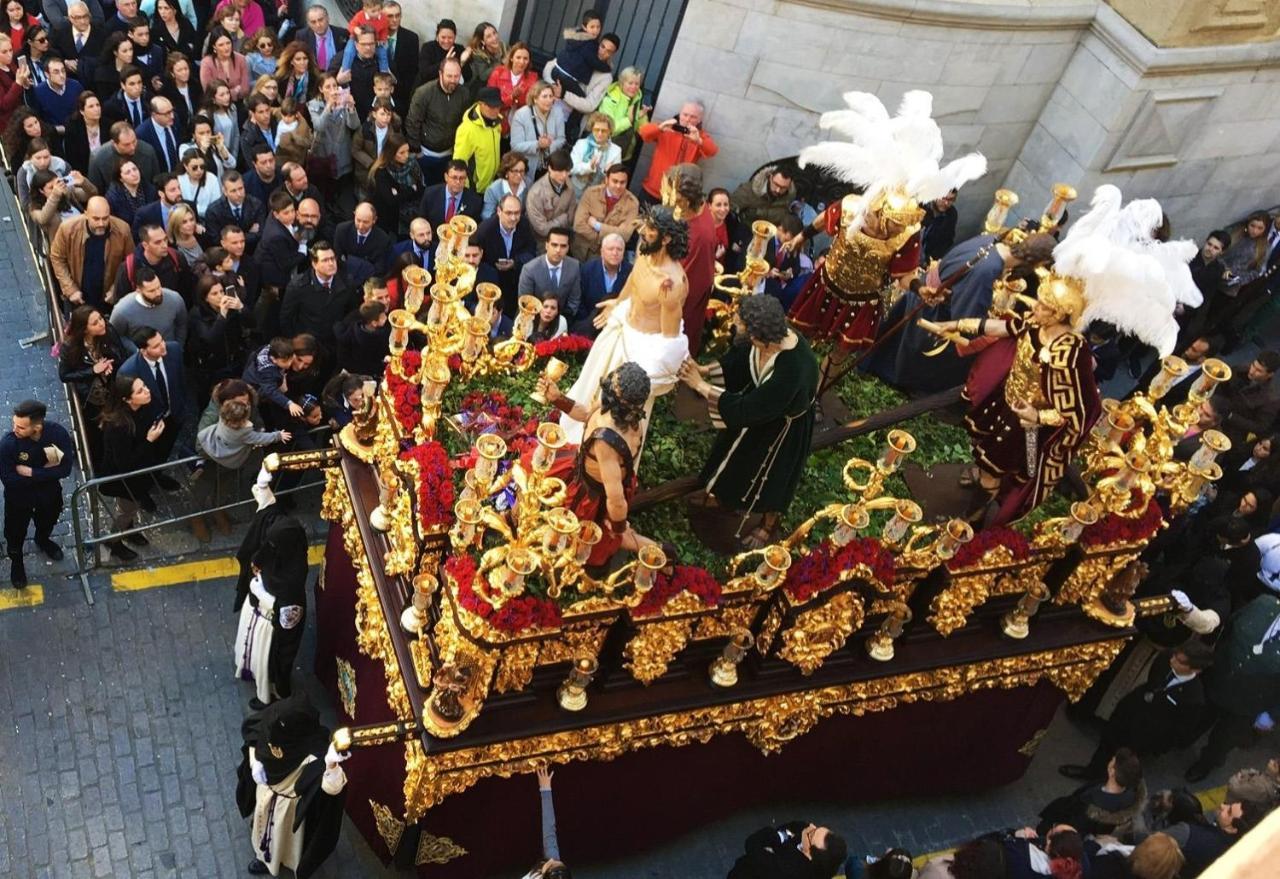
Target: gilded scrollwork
x,y
655,644
767,722
1094,571
390,828
515,668
817,633
436,850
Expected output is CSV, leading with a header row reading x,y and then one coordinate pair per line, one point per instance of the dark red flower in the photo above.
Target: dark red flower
x,y
435,484
683,578
566,344
1116,529
988,539
821,568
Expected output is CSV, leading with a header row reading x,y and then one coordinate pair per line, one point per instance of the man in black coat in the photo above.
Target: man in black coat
x,y
441,202
361,237
796,850
278,255
79,27
326,43
1158,716
508,243
363,339
359,78
317,299
402,55
236,208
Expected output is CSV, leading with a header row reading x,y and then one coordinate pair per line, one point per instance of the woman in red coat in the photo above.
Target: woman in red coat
x,y
513,78
11,82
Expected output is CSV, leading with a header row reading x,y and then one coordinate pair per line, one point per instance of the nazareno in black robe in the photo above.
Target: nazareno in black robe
x,y
766,425
249,546
293,725
282,559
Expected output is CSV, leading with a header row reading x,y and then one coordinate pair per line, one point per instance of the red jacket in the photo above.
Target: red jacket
x,y
513,96
673,149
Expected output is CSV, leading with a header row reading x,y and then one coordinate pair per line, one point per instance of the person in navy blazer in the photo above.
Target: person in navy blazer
x,y
783,269
162,114
507,264
376,248
435,200
152,348
318,18
418,245
220,214
597,286
277,254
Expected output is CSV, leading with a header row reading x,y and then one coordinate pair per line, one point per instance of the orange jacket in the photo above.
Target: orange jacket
x,y
673,149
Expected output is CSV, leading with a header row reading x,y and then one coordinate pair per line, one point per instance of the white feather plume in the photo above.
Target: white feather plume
x,y
1131,280
884,152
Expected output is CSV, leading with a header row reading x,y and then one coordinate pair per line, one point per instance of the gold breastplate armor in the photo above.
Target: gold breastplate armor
x,y
858,269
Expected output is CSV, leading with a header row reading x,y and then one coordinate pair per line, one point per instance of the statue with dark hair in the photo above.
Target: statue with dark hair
x,y
762,402
600,472
643,325
973,268
698,254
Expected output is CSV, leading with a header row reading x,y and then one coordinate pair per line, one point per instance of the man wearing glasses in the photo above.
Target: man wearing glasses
x,y
54,99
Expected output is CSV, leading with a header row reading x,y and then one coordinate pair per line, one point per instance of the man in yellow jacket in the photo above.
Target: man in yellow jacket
x,y
478,141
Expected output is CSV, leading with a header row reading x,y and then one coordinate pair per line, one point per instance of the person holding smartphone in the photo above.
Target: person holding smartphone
x,y
680,139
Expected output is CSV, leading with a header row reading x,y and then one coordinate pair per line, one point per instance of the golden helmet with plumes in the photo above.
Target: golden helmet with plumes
x,y
1063,294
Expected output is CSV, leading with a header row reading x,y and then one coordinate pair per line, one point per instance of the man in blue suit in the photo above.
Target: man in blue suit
x,y
156,213
159,365
443,201
602,279
162,134
418,244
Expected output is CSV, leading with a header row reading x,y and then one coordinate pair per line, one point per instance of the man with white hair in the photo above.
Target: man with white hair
x,y
680,140
602,279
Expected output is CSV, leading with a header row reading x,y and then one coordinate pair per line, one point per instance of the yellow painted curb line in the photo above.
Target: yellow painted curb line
x,y
11,598
190,572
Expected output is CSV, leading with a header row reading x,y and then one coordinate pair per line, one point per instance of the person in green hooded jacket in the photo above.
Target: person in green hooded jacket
x,y
623,104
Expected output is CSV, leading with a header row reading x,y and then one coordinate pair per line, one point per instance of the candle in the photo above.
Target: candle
x,y
447,247
562,527
417,280
905,514
442,299
1212,444
552,372
468,515
956,533
770,571
1103,425
1052,216
489,450
400,321
853,518
762,232
551,439
899,445
519,565
1172,368
487,296
1082,516
1211,375
463,228
999,212
523,325
589,534
753,272
477,339
435,380
649,561
1119,424
1136,465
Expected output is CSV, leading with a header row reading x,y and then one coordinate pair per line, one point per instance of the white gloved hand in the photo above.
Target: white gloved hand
x,y
266,601
264,478
258,771
1264,723
1183,602
333,758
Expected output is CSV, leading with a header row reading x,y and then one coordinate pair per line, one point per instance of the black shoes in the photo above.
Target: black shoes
x,y
17,574
166,483
257,868
1076,771
147,502
138,539
51,549
256,704
121,552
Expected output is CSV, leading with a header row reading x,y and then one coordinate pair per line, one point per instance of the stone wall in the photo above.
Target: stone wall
x,y
1060,91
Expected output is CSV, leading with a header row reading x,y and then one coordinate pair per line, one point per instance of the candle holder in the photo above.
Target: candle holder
x,y
1016,623
443,299
1212,444
552,372
724,669
402,323
572,694
467,518
435,378
490,448
589,534
1081,517
447,246
1102,426
416,280
852,519
898,445
551,439
559,533
517,566
1136,465
880,645
1001,202
762,232
477,338
1052,216
1172,368
463,228
388,486
649,561
414,618
905,514
753,272
955,534
773,567
1119,425
1213,373
528,311
1005,292
487,297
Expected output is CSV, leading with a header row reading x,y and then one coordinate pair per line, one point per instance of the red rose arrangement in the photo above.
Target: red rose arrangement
x,y
683,578
822,567
516,616
405,395
1116,529
435,484
986,540
566,344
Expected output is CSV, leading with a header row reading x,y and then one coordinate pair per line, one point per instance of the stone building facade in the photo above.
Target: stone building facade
x,y
1178,99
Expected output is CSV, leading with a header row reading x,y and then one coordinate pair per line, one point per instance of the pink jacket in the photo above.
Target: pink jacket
x,y
251,17
238,80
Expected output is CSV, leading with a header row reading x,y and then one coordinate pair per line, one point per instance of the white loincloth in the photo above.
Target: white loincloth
x,y
658,355
252,649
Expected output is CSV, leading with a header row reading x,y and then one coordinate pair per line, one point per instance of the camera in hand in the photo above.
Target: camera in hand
x,y
683,129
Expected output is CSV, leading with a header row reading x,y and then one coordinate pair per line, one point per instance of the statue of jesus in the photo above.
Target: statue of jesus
x,y
643,324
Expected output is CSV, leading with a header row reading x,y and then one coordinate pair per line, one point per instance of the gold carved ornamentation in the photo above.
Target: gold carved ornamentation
x,y
768,722
655,644
1093,573
347,687
389,827
1031,745
819,632
422,669
576,639
437,850
969,588
769,629
515,669
725,621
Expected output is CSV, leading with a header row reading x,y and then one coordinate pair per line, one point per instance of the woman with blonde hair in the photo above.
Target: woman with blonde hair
x,y
297,74
594,153
487,51
267,86
1156,857
536,131
183,228
513,78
